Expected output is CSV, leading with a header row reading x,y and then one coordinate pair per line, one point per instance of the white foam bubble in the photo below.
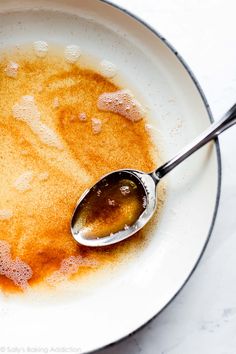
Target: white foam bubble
x,y
111,202
40,48
16,270
68,267
5,214
22,183
12,69
124,190
121,102
96,125
47,135
55,278
27,111
107,69
72,53
4,249
83,116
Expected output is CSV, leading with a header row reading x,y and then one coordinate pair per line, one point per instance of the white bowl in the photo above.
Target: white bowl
x,y
124,299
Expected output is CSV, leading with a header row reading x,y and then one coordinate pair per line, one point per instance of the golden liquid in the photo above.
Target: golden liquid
x,y
112,205
39,230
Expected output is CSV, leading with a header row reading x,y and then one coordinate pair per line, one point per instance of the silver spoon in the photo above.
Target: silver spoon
x,y
142,185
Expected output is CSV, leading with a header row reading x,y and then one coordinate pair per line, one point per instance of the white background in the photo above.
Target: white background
x,y
202,319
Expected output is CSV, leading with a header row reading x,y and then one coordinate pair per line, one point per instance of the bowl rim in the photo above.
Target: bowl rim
x,y
218,155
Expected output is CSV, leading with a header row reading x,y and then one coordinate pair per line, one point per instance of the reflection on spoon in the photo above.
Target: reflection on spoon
x,y
122,202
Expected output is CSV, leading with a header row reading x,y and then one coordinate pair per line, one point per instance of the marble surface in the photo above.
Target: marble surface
x,y
202,318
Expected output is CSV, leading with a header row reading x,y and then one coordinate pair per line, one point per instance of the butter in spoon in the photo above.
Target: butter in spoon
x,y
123,201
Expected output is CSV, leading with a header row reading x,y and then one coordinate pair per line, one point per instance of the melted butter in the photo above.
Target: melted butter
x,y
38,230
112,205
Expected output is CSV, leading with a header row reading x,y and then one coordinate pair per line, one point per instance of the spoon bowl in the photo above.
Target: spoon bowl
x,y
145,185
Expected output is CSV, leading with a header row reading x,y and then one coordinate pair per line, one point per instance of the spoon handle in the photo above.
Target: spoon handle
x,y
210,133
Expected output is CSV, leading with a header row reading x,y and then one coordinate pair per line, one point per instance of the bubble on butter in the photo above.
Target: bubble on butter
x,y
14,269
107,69
68,267
22,183
11,69
123,103
83,116
27,111
40,48
72,53
96,125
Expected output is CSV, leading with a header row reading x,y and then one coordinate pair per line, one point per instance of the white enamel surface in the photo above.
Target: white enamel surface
x,y
121,301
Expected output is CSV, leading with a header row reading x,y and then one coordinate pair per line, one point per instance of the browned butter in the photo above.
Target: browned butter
x,y
41,183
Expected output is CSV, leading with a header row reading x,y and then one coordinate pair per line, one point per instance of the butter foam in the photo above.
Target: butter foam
x,y
68,267
40,48
22,183
72,53
14,269
121,102
96,125
27,111
83,116
12,69
108,69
